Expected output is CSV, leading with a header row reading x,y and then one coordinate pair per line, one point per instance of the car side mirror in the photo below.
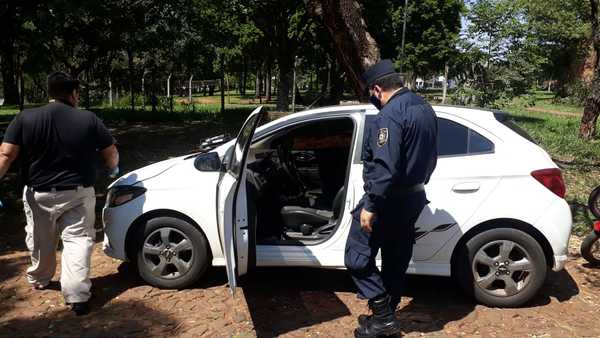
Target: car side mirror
x,y
208,162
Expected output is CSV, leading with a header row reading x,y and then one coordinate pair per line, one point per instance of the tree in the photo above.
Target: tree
x,y
561,31
355,48
587,130
518,43
15,25
432,35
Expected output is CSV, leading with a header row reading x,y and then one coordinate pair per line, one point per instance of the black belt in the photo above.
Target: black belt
x,y
408,189
59,188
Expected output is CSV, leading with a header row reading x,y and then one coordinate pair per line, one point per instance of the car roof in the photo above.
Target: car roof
x,y
468,113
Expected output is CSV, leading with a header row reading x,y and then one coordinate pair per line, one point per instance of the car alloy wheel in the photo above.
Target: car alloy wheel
x,y
502,268
168,253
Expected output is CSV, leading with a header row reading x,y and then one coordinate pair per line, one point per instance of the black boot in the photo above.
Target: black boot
x,y
382,322
362,319
81,309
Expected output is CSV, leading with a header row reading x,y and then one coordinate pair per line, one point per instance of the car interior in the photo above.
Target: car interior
x,y
296,182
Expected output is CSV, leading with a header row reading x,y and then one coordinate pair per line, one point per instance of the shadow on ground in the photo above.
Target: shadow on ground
x,y
281,300
559,285
113,320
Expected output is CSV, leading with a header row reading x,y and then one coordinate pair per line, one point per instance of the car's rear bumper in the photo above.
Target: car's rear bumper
x,y
556,226
559,262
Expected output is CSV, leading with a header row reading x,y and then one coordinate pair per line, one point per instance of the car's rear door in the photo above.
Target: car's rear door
x,y
466,174
232,210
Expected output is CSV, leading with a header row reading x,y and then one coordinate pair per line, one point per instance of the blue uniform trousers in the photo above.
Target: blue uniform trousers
x,y
393,234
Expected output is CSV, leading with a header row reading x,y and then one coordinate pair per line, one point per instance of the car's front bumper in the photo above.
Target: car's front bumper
x,y
116,222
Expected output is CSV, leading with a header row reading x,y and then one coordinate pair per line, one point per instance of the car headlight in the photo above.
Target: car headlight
x,y
121,194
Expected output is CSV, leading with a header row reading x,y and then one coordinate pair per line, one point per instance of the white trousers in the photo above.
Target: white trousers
x,y
70,215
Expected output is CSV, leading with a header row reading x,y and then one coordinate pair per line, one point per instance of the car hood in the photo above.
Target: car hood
x,y
148,172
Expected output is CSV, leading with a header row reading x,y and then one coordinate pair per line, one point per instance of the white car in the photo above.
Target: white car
x,y
281,195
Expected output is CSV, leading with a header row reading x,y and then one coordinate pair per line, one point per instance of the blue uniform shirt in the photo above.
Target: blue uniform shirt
x,y
399,148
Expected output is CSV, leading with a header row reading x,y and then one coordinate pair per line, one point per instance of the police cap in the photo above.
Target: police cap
x,y
377,71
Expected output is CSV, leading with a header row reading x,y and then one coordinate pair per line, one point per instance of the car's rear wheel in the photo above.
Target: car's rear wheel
x,y
501,267
171,253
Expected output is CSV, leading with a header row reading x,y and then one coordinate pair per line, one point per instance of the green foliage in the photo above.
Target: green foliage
x,y
512,45
432,32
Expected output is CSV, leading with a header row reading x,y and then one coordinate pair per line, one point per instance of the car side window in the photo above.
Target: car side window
x,y
455,139
479,144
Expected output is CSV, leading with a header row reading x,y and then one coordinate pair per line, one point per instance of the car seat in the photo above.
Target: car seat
x,y
309,220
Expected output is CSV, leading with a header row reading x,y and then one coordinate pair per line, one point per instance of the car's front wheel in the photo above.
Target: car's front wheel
x,y
171,253
501,267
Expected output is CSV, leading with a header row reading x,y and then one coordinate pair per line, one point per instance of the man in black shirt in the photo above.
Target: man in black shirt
x,y
58,145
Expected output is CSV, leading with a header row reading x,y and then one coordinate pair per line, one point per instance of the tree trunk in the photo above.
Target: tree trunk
x,y
131,77
21,89
445,84
285,80
355,48
7,54
222,86
587,129
268,98
244,77
257,83
334,85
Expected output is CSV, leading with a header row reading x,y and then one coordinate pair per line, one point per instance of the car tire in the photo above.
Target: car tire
x,y
171,253
501,267
587,249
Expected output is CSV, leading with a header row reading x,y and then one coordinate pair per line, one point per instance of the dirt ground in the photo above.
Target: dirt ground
x,y
269,302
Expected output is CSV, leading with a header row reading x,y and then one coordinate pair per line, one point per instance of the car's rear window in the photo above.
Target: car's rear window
x,y
504,118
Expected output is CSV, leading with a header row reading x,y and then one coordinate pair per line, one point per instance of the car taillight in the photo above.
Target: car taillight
x,y
597,226
551,179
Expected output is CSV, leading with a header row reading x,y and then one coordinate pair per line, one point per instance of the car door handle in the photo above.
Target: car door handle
x,y
466,187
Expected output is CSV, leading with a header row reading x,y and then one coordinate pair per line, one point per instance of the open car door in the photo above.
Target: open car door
x,y
232,208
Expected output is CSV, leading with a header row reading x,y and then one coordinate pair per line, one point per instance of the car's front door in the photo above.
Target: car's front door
x,y
232,210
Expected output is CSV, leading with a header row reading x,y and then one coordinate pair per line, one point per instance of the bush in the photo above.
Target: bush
x,y
474,95
576,93
528,100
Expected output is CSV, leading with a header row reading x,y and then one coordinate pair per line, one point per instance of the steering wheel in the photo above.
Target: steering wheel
x,y
289,167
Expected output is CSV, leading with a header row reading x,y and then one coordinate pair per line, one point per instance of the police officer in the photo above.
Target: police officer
x,y
58,145
399,155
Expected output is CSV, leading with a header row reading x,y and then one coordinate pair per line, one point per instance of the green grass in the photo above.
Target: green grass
x,y
204,108
579,159
544,101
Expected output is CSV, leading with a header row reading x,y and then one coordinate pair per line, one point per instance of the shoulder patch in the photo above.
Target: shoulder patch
x,y
382,137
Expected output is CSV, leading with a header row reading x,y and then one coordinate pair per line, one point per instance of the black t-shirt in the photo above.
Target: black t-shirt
x,y
58,145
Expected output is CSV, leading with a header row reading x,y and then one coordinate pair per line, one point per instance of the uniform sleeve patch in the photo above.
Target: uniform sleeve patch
x,y
382,137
